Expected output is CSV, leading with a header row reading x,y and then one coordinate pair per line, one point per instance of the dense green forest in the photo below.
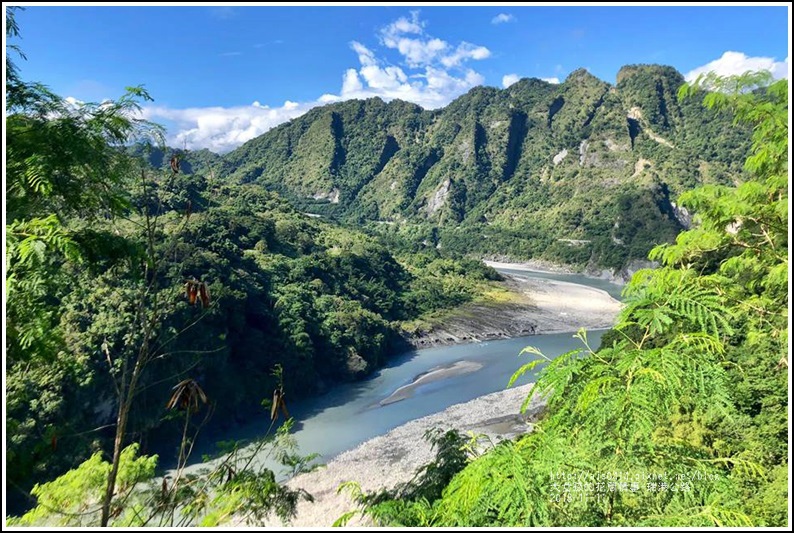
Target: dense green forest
x,y
680,417
153,294
104,240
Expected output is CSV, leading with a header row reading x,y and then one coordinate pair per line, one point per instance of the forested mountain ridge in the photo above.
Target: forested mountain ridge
x,y
583,172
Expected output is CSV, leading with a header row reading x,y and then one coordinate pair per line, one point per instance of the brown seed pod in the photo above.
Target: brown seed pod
x,y
204,294
191,290
187,395
278,403
274,407
284,407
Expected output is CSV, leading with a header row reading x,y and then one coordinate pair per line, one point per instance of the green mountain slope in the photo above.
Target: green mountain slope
x,y
583,172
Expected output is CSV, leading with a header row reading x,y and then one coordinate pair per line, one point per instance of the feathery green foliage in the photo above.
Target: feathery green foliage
x,y
71,499
232,488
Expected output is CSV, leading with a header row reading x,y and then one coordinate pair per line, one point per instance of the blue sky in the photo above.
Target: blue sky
x,y
222,75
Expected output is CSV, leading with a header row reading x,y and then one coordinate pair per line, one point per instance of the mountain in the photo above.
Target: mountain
x,y
584,172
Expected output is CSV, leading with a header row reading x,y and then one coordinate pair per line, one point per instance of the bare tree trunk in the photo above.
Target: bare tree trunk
x,y
149,315
125,402
121,426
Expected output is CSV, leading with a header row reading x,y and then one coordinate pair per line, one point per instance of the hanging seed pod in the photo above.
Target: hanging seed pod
x,y
192,291
284,407
187,395
204,294
274,406
278,403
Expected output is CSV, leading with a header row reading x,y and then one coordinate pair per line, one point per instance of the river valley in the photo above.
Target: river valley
x,y
359,418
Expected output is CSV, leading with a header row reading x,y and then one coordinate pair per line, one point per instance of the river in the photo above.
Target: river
x,y
351,413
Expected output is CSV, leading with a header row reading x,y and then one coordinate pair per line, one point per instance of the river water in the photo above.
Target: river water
x,y
351,413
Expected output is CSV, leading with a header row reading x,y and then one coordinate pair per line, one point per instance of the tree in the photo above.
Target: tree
x,y
64,162
67,161
95,294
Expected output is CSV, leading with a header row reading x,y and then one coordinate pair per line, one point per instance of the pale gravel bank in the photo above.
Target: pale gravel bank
x,y
619,276
434,374
538,306
533,266
384,461
559,306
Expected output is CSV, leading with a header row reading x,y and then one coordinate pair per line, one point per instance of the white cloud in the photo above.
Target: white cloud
x,y
509,79
350,82
555,80
72,102
501,18
385,79
418,52
431,74
732,63
419,49
365,55
441,83
403,25
464,52
223,128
